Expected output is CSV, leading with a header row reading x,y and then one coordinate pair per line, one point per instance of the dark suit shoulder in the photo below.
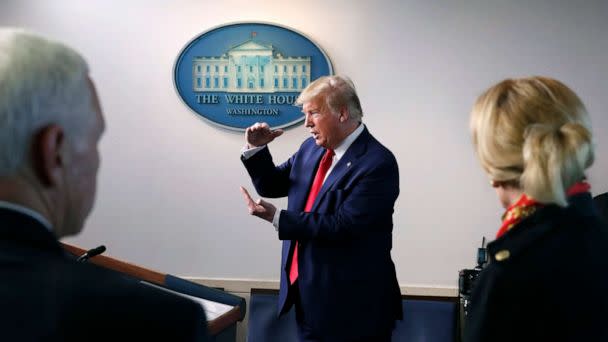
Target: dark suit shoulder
x,y
601,204
553,225
383,153
379,155
375,145
554,254
63,300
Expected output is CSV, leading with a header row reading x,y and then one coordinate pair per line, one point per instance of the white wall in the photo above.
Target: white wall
x,y
168,187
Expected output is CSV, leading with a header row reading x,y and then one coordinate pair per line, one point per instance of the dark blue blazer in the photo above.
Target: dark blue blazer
x,y
550,281
601,203
347,281
45,295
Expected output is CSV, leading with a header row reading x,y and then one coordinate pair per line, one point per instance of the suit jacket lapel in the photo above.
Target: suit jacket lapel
x,y
348,161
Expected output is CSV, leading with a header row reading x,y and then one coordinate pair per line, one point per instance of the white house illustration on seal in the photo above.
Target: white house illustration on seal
x,y
250,67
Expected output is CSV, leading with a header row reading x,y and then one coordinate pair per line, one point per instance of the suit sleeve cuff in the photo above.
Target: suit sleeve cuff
x,y
249,152
276,219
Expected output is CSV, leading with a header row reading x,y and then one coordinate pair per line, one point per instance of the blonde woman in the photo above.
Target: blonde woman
x,y
548,275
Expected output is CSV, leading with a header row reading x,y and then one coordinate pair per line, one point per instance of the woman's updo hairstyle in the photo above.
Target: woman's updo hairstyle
x,y
534,132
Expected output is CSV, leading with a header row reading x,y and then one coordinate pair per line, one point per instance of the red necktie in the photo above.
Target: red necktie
x,y
314,190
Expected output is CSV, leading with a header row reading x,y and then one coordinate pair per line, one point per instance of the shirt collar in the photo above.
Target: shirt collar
x,y
27,211
350,139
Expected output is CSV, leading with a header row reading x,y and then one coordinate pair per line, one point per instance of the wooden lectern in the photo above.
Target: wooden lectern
x,y
222,328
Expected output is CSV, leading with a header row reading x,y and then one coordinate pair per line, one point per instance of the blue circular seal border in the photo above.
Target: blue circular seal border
x,y
274,64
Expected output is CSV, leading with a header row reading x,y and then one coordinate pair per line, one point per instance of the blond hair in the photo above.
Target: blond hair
x,y
338,91
535,132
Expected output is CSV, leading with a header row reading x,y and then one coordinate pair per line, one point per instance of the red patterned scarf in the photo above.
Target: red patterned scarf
x,y
526,206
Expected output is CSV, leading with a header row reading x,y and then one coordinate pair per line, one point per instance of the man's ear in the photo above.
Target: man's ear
x,y
48,154
344,114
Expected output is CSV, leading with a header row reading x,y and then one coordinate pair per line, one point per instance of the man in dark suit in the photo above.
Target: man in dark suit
x,y
341,184
50,126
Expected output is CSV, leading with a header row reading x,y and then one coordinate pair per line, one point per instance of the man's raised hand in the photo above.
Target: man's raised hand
x,y
260,134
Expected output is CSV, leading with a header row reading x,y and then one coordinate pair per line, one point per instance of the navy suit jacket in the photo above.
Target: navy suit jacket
x,y
347,281
551,286
45,295
601,203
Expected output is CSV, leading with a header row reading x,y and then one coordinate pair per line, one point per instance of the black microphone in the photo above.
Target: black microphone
x,y
482,254
91,253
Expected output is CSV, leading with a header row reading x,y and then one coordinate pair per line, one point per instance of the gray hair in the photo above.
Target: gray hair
x,y
41,83
339,91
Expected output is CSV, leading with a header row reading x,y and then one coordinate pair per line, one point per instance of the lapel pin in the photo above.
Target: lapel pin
x,y
348,164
